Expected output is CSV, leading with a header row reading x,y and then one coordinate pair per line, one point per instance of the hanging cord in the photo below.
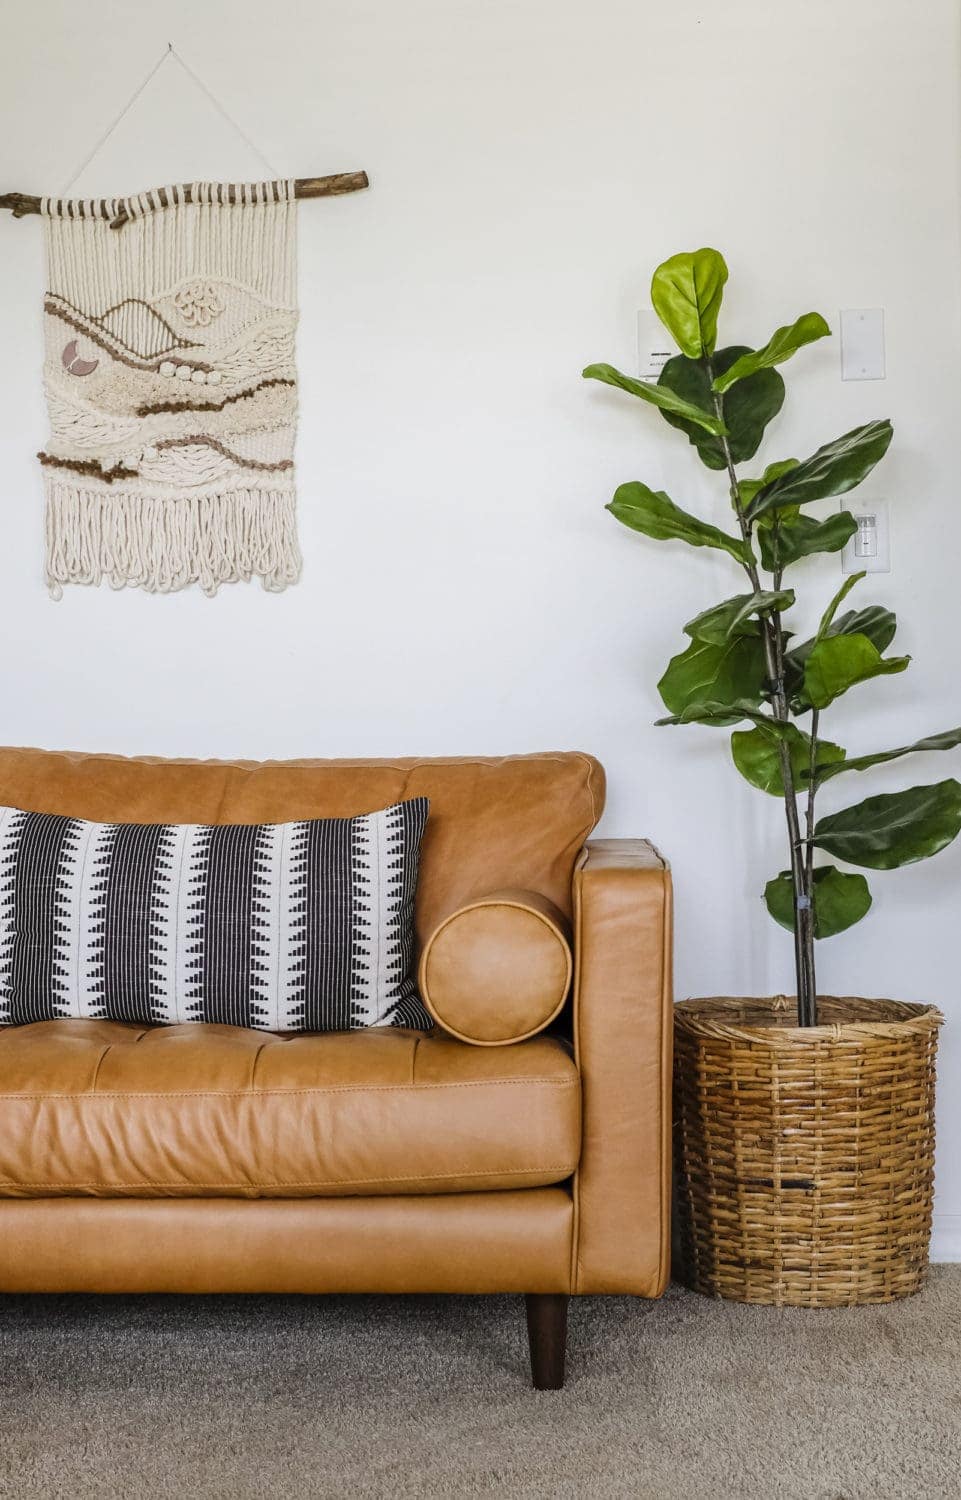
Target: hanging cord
x,y
171,51
111,128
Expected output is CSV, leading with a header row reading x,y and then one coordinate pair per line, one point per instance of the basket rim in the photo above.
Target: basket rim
x,y
703,1016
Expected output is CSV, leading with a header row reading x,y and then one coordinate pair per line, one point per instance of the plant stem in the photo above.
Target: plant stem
x,y
774,661
809,861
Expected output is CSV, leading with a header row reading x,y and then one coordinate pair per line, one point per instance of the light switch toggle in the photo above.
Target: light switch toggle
x,y
866,536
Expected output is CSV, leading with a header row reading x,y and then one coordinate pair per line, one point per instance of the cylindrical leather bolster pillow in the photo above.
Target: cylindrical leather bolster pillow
x,y
498,969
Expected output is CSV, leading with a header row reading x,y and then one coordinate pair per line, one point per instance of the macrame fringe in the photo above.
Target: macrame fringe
x,y
162,544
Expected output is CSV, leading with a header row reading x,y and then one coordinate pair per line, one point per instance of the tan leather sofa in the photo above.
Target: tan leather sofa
x,y
211,1159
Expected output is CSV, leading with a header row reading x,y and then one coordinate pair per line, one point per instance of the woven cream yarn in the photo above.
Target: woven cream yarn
x,y
171,388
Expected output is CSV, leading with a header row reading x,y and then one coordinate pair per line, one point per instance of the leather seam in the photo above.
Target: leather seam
x,y
335,763
312,1182
251,1086
590,786
665,1073
376,1088
578,936
100,1059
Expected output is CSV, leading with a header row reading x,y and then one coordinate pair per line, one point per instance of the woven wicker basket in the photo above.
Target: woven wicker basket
x,y
804,1157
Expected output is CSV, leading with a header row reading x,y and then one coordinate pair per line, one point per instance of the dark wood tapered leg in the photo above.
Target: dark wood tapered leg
x,y
547,1332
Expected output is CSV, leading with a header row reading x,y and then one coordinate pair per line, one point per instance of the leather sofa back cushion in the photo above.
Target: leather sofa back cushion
x,y
511,821
498,970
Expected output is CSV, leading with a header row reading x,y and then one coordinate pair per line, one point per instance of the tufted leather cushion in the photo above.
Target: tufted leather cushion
x,y
106,1109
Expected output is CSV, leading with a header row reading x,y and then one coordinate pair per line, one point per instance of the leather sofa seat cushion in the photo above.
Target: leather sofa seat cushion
x,y
111,1110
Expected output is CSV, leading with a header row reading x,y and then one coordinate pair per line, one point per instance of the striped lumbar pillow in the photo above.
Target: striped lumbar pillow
x,y
281,926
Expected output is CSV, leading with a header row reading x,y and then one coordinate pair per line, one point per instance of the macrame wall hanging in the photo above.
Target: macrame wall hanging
x,y
171,385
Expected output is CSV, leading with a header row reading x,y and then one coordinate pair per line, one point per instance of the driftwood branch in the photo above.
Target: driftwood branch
x,y
20,204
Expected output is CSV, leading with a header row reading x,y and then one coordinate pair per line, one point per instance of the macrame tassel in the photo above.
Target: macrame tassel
x,y
162,544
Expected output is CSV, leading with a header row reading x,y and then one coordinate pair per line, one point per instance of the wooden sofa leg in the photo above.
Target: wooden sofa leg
x,y
547,1333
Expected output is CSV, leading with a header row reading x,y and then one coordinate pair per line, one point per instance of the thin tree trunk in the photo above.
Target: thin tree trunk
x,y
774,661
809,867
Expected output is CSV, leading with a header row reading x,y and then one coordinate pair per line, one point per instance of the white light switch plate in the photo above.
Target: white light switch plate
x,y
874,533
862,343
653,345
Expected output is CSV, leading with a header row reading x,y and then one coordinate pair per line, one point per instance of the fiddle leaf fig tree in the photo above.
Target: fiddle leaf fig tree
x,y
741,669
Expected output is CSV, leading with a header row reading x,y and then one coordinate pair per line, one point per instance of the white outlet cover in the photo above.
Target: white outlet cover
x,y
881,562
862,343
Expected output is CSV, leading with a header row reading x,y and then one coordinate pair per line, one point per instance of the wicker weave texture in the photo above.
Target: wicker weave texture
x,y
804,1157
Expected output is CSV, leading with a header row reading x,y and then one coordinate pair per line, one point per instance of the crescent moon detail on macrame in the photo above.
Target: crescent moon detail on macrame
x,y
73,363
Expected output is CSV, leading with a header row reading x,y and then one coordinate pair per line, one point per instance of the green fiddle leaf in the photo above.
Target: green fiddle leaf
x,y
735,616
827,619
686,292
750,487
654,514
832,470
886,832
746,409
839,662
782,344
800,536
839,900
719,714
945,741
757,756
657,395
726,675
878,624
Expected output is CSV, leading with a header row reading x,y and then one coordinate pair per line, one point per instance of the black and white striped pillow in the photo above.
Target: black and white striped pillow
x,y
280,926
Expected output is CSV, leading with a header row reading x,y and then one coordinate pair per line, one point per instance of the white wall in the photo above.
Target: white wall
x,y
463,589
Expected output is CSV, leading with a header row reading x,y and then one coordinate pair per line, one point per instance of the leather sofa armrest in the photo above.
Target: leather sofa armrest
x,y
623,1037
498,969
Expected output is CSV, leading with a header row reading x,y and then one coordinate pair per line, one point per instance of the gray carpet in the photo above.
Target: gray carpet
x,y
288,1398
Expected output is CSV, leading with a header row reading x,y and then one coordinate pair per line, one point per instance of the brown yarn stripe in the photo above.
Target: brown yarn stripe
x,y
87,466
198,441
178,342
120,471
71,315
155,408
